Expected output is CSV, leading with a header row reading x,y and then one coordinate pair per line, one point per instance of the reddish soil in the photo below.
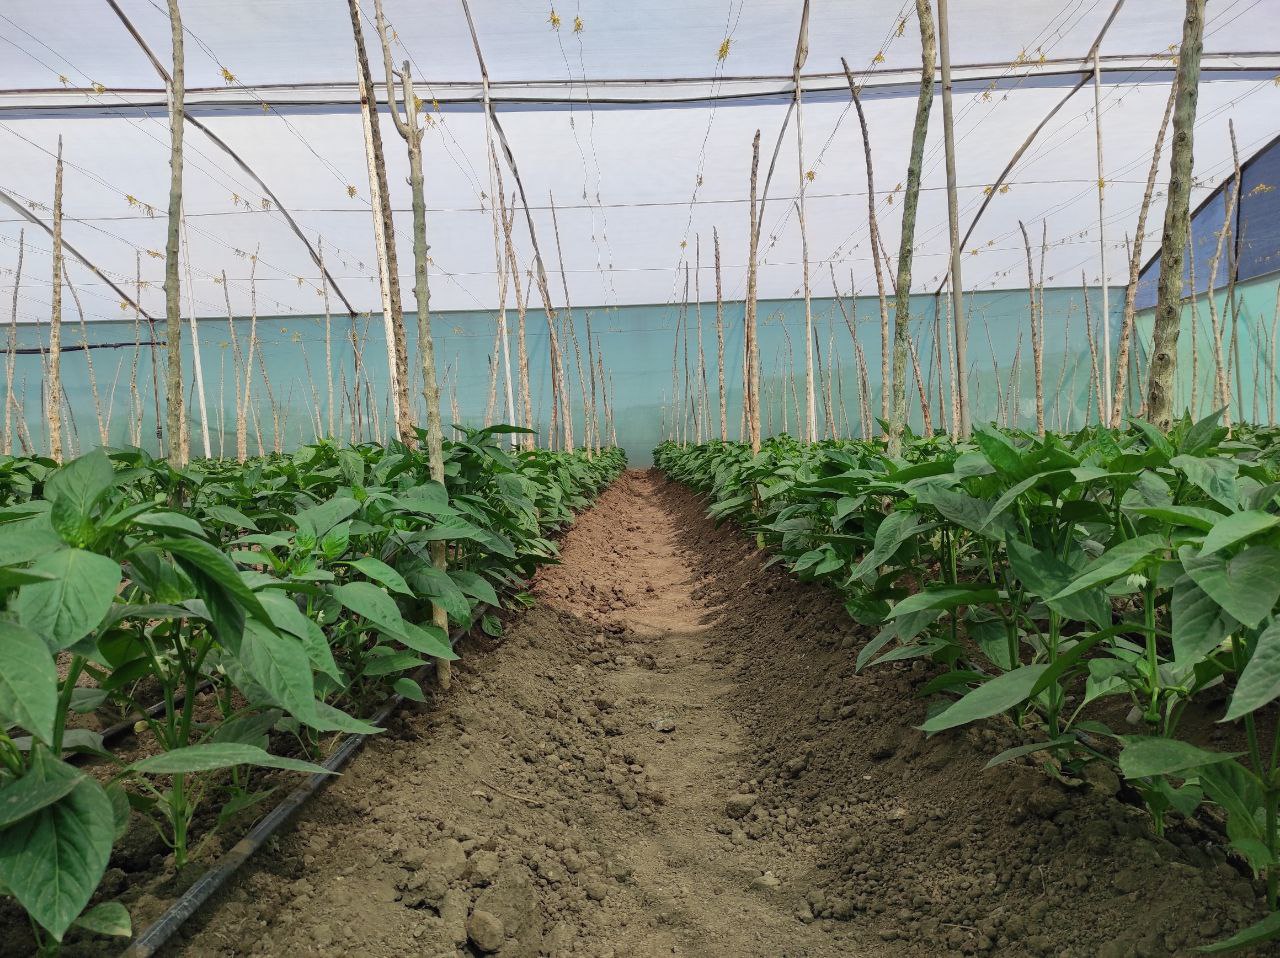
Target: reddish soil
x,y
671,754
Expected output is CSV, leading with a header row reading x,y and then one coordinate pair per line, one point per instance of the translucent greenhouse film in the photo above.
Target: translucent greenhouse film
x,y
637,129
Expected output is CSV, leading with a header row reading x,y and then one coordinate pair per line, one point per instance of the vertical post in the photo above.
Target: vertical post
x,y
1168,321
963,424
1102,239
724,409
751,381
172,291
55,320
196,364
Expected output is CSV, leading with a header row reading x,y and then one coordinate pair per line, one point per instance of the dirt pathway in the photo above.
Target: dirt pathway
x,y
671,754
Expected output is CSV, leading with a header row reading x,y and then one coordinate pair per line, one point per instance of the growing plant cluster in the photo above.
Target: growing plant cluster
x,y
1048,576
260,606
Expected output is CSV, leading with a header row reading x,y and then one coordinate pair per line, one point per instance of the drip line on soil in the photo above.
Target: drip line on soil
x,y
156,935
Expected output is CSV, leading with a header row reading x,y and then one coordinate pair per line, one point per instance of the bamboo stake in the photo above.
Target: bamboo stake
x,y
802,54
724,409
1135,265
961,386
1037,347
384,224
242,453
328,339
876,242
573,337
704,429
1095,375
751,352
11,353
924,399
172,290
411,132
910,203
1233,273
499,213
88,360
197,364
1105,410
1168,319
55,321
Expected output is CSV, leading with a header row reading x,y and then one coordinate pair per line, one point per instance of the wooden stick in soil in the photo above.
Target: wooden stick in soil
x,y
197,363
1105,380
55,320
1037,348
724,409
410,131
961,387
1217,322
924,399
172,291
1168,319
569,324
328,341
704,429
751,381
876,242
910,204
499,219
383,230
1233,273
11,353
802,54
88,361
1127,330
1095,375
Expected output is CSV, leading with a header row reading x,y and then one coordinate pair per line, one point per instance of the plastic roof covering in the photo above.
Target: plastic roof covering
x,y
625,177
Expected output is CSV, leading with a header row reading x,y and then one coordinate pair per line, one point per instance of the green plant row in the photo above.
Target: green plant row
x,y
296,589
1048,576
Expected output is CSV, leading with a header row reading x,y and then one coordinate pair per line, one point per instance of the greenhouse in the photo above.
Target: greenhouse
x,y
722,478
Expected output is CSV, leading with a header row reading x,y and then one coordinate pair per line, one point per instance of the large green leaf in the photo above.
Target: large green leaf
x,y
990,698
965,511
27,795
1236,528
427,639
1259,683
1045,575
1119,560
944,597
67,607
1268,929
371,602
52,861
218,579
475,586
28,681
108,918
73,492
1198,623
381,573
209,756
1146,755
1216,477
435,584
1247,585
280,664
318,520
893,531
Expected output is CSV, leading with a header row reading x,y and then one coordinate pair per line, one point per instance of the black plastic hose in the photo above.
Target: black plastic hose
x,y
156,935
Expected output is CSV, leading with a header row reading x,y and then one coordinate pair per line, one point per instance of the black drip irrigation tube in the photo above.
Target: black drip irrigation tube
x,y
156,935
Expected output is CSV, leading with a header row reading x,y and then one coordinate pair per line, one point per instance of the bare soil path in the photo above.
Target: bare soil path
x,y
671,754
